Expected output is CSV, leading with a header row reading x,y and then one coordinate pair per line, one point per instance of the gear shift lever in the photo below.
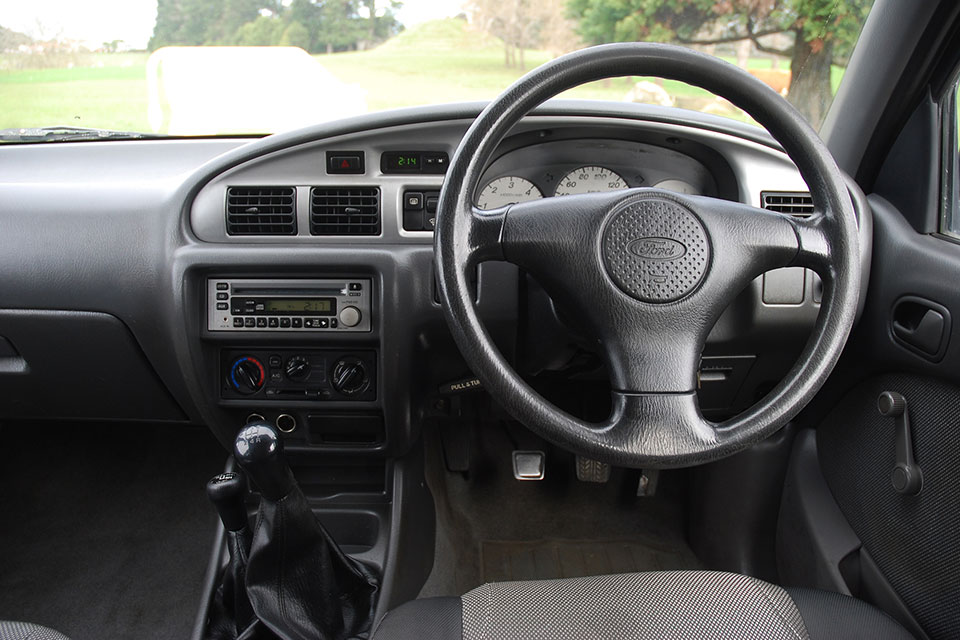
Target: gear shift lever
x,y
230,612
301,585
259,450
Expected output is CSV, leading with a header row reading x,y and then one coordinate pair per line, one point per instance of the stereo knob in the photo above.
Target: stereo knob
x,y
350,316
247,375
297,368
350,377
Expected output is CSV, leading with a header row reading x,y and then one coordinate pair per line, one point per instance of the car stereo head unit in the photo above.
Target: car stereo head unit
x,y
288,305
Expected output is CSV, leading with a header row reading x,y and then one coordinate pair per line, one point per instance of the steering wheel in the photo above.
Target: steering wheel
x,y
648,272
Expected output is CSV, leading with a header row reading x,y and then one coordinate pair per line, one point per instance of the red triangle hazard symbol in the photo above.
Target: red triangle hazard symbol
x,y
345,164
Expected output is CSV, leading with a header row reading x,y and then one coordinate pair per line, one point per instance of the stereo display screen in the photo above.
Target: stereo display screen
x,y
301,306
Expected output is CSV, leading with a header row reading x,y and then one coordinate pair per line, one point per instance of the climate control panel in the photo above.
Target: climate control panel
x,y
298,375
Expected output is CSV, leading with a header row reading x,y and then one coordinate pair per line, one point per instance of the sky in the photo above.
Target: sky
x,y
97,21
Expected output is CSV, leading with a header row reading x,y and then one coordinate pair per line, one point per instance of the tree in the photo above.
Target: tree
x,y
823,32
10,40
265,31
296,35
522,24
234,14
310,24
184,22
308,14
340,25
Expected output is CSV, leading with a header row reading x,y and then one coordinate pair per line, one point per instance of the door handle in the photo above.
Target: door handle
x,y
922,326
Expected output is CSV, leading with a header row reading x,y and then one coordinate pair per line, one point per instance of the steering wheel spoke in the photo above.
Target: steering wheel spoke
x,y
484,234
653,353
535,233
746,242
669,423
814,239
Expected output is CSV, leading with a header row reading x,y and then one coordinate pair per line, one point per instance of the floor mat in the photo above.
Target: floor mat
x,y
106,528
549,559
492,527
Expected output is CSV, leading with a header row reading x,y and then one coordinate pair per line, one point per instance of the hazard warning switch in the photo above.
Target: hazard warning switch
x,y
345,162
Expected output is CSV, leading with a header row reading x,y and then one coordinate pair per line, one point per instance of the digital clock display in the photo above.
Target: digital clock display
x,y
300,306
414,162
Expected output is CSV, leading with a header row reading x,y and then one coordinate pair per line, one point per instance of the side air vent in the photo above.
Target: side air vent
x,y
261,211
345,211
796,203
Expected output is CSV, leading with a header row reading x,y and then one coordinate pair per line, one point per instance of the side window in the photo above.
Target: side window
x,y
950,212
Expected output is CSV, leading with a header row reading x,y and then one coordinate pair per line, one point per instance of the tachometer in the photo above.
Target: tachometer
x,y
590,179
507,190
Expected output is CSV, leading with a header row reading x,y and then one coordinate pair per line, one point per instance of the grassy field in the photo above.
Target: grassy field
x,y
436,62
111,93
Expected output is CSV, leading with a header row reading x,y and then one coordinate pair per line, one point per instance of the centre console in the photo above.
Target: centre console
x,y
301,353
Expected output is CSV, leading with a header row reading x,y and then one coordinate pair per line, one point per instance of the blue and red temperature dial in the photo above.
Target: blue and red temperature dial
x,y
247,375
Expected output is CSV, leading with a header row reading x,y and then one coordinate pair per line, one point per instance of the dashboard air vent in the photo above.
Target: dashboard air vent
x,y
345,211
796,203
261,211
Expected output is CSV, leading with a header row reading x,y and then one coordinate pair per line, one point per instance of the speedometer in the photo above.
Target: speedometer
x,y
507,190
591,179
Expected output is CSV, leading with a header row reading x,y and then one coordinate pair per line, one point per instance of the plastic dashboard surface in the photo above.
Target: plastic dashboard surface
x,y
134,230
544,148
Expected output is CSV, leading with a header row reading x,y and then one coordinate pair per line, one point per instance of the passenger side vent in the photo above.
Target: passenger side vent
x,y
796,203
345,211
261,211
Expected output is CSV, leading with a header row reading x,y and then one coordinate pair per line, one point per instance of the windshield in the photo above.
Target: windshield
x,y
226,67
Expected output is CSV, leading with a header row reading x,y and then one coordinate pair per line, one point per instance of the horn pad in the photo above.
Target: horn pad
x,y
655,249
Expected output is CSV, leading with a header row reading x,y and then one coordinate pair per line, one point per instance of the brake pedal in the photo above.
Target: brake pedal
x,y
592,470
529,465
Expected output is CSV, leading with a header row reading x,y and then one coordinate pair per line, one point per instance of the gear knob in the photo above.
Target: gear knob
x,y
259,450
227,492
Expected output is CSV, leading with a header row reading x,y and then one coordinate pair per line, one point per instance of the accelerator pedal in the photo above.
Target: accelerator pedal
x,y
592,470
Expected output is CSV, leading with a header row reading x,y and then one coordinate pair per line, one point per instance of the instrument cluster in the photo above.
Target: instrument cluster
x,y
569,167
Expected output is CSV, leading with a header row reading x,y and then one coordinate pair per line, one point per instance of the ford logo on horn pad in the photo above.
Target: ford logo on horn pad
x,y
657,248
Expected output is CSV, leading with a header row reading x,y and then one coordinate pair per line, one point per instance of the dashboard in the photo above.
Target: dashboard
x,y
291,277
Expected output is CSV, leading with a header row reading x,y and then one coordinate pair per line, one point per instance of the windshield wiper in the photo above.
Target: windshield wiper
x,y
67,134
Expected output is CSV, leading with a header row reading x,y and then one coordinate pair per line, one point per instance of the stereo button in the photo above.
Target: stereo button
x,y
222,286
261,322
222,306
249,322
297,323
238,322
349,316
223,296
284,323
274,323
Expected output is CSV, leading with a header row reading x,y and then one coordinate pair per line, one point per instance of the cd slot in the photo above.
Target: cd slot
x,y
326,291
